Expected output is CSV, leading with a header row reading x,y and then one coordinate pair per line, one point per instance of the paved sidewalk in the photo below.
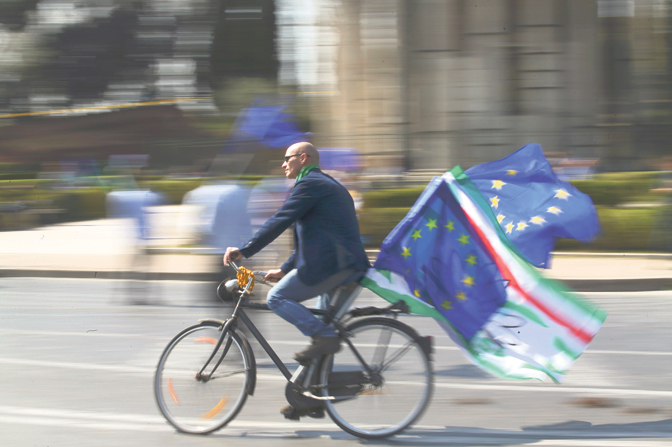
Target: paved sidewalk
x,y
105,249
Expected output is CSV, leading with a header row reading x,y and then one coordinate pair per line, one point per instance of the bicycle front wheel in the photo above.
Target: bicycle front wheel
x,y
194,399
389,398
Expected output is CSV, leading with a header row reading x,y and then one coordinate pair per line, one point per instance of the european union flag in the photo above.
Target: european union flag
x,y
532,205
444,261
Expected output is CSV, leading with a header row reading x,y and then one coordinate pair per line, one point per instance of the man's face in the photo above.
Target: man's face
x,y
294,161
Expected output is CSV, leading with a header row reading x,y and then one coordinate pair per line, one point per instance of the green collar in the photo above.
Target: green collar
x,y
305,170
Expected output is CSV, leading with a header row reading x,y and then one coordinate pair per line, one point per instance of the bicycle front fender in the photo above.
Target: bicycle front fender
x,y
251,362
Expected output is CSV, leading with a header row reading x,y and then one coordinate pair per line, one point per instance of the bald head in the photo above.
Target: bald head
x,y
297,156
308,149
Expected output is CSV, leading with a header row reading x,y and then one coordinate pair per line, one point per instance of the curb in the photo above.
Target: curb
x,y
79,274
619,285
578,285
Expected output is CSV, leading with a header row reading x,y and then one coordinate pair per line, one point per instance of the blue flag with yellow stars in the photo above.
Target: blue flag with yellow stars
x,y
532,205
443,261
450,259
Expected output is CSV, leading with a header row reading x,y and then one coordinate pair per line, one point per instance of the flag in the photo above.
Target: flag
x,y
532,205
450,259
443,261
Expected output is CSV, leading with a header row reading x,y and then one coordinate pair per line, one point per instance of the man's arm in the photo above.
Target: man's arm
x,y
302,199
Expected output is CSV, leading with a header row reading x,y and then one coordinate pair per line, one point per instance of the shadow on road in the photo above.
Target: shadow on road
x,y
583,428
471,436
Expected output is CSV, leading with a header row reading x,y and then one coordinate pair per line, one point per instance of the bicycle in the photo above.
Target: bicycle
x,y
377,385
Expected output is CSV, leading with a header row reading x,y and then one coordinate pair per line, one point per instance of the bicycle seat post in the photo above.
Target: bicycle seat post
x,y
342,300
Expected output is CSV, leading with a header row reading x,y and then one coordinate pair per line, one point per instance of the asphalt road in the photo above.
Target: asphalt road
x,y
77,361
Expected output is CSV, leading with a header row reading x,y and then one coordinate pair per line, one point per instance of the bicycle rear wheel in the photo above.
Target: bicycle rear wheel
x,y
202,403
385,402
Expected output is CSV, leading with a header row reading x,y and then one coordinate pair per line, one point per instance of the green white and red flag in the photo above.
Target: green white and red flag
x,y
450,259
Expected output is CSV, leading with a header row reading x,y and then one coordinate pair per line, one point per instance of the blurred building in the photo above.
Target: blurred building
x,y
426,83
465,81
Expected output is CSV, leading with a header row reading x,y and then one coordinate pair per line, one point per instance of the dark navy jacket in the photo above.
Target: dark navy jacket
x,y
326,234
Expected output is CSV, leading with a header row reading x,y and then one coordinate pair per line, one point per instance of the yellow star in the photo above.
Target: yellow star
x,y
406,253
509,227
471,260
538,220
497,184
431,224
464,239
447,304
494,202
554,210
500,217
562,194
416,235
450,225
511,172
416,292
468,280
461,296
521,226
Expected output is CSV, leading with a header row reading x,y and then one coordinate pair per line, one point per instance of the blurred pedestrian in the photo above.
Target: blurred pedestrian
x,y
222,220
134,206
266,197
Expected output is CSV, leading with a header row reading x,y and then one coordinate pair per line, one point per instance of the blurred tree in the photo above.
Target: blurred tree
x,y
90,55
13,12
244,41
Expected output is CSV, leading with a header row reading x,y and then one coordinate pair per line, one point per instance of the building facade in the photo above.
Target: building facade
x,y
446,82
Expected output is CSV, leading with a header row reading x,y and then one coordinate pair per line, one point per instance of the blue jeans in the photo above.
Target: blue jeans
x,y
285,296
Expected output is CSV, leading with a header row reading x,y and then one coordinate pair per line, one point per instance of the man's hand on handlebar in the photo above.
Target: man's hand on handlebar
x,y
232,254
274,275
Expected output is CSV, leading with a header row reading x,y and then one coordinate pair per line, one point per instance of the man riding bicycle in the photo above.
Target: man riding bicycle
x,y
328,248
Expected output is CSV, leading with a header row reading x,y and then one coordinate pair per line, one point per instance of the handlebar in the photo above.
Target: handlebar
x,y
234,284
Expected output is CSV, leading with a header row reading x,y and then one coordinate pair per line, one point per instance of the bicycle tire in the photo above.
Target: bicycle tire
x,y
202,406
371,410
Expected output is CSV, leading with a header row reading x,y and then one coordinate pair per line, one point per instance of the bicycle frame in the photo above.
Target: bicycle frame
x,y
340,313
312,389
239,313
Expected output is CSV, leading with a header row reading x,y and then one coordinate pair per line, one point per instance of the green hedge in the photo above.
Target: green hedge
x,y
391,198
626,229
173,189
376,223
614,192
89,204
605,189
623,229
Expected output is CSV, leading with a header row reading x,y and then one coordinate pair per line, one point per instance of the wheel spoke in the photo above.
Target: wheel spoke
x,y
398,354
194,402
387,403
223,374
381,348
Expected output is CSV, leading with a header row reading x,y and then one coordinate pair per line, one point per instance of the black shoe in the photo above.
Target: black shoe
x,y
290,413
319,347
293,414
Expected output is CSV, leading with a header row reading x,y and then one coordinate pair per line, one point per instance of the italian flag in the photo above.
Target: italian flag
x,y
541,328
